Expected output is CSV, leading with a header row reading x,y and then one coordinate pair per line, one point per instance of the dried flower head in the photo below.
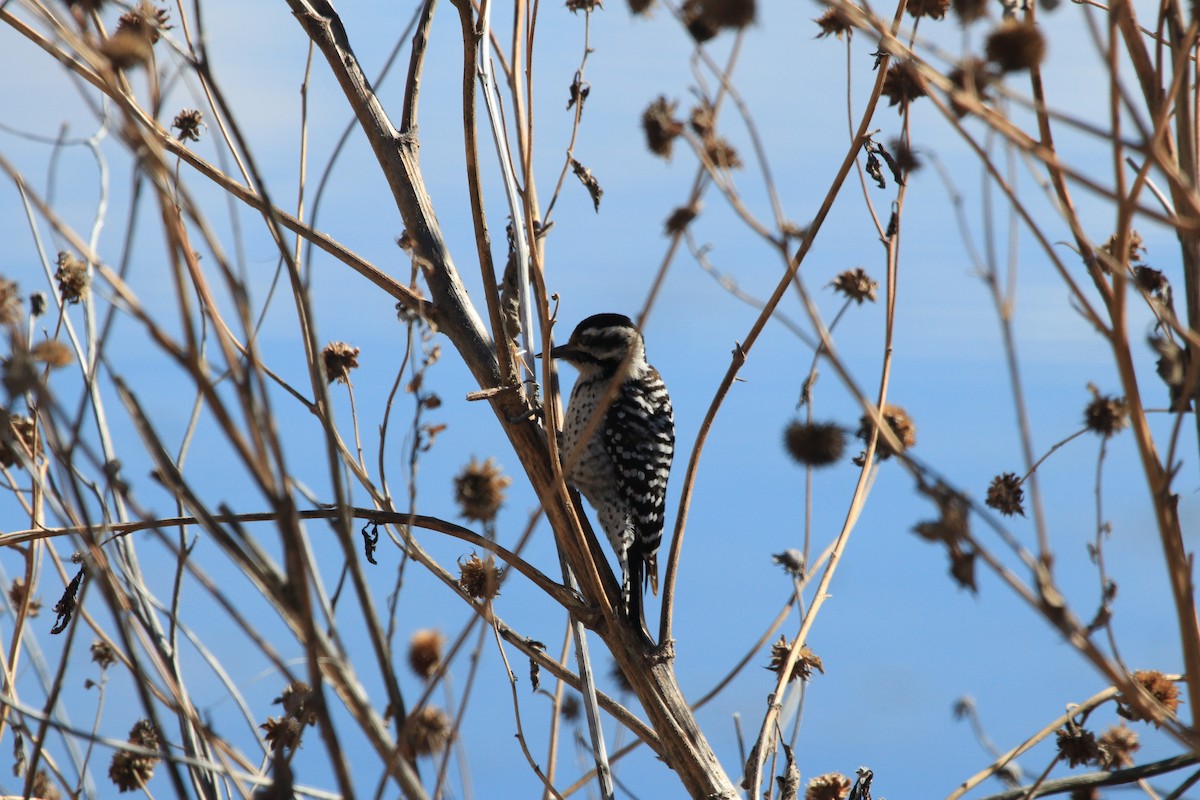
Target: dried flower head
x,y
72,276
969,11
1085,793
971,78
478,578
52,353
18,439
902,84
17,593
901,424
126,49
1105,415
727,13
830,786
1118,743
1135,248
1077,745
935,9
856,285
43,788
792,560
638,7
1015,46
339,359
834,23
425,652
680,218
282,732
904,156
583,5
721,153
131,771
1152,281
10,302
299,702
570,707
699,26
805,663
1162,688
661,127
951,529
21,374
146,21
815,444
1006,495
102,654
425,732
188,123
479,490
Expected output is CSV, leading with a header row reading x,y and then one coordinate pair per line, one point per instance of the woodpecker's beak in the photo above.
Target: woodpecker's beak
x,y
563,351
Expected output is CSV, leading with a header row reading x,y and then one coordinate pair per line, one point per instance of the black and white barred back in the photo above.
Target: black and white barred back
x,y
622,470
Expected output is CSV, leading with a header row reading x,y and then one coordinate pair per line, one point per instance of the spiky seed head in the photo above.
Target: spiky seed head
x,y
43,788
830,786
680,218
10,302
18,438
339,358
1118,743
660,126
815,444
480,579
935,9
1106,415
146,21
972,77
902,85
1077,745
792,560
299,702
1135,249
131,771
126,49
901,424
833,23
1162,688
479,490
425,732
856,285
1016,46
425,652
72,277
805,663
969,11
1006,495
188,123
17,593
102,654
283,732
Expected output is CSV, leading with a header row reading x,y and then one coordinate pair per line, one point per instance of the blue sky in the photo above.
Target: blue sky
x,y
900,643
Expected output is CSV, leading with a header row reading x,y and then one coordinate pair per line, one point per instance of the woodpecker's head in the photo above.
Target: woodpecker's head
x,y
601,343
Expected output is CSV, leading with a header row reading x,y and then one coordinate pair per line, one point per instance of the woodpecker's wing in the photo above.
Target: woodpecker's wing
x,y
639,435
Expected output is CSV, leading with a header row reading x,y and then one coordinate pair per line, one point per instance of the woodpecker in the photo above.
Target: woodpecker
x,y
622,469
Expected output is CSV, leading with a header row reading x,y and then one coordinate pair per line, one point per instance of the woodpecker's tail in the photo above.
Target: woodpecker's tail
x,y
636,588
651,564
